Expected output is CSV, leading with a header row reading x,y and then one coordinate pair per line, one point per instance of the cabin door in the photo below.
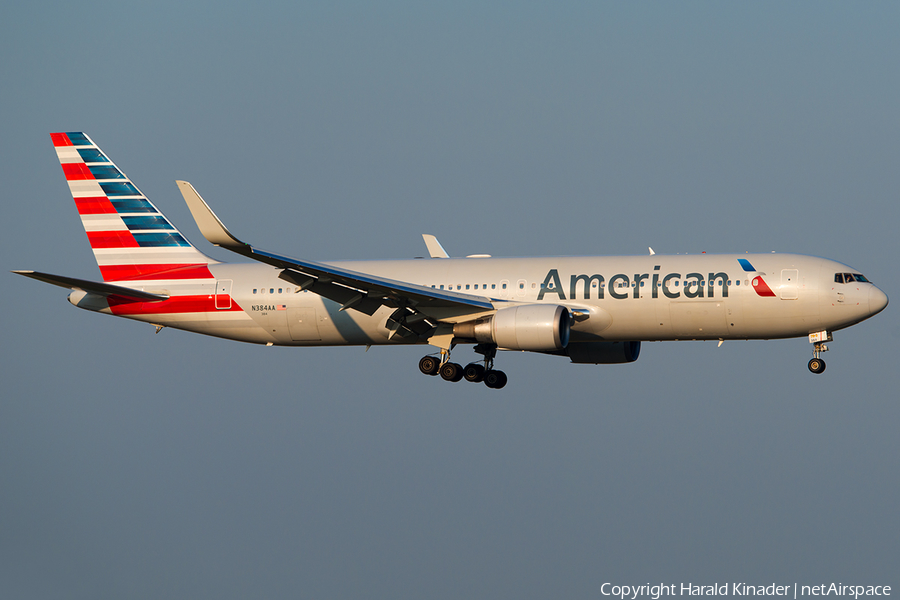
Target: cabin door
x,y
789,284
223,294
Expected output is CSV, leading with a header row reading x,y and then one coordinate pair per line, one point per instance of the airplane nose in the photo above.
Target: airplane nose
x,y
877,300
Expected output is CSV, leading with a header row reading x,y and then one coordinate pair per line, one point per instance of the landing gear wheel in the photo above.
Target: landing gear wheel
x,y
451,372
474,373
495,379
816,365
429,365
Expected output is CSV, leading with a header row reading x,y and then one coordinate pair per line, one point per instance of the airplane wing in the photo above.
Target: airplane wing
x,y
94,287
435,250
351,289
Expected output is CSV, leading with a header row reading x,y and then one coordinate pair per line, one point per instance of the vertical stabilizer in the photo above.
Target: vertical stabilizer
x,y
131,239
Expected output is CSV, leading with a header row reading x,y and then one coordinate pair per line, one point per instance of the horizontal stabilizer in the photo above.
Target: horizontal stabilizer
x,y
94,287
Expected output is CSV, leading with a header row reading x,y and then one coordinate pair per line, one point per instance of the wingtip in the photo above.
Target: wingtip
x,y
209,224
435,250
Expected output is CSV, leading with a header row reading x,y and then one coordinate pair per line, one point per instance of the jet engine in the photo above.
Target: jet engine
x,y
532,327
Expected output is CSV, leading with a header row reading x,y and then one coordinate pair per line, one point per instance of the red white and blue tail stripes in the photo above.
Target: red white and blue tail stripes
x,y
131,239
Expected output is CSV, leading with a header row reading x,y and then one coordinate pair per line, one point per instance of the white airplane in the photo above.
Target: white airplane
x,y
593,310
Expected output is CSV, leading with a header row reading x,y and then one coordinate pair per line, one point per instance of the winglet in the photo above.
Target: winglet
x,y
434,246
210,225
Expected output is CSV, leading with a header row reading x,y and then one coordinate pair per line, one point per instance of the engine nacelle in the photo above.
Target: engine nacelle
x,y
603,353
532,327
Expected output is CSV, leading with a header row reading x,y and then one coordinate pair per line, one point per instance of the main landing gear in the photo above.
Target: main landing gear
x,y
474,372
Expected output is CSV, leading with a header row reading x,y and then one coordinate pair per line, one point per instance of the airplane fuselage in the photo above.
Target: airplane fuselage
x,y
631,298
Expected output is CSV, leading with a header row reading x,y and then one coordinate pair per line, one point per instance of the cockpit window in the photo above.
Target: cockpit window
x,y
849,278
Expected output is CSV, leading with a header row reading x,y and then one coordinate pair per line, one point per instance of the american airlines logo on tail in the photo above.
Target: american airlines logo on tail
x,y
130,238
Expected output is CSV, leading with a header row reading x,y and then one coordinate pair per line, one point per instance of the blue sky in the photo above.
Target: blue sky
x,y
175,465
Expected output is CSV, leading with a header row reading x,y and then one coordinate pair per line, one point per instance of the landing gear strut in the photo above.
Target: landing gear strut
x,y
817,364
474,372
493,379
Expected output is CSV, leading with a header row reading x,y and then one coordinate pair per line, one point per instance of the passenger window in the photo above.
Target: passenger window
x,y
476,286
442,286
271,290
521,286
254,290
279,290
493,286
467,286
504,286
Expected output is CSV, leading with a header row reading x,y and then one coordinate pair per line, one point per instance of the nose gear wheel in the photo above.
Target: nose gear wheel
x,y
817,364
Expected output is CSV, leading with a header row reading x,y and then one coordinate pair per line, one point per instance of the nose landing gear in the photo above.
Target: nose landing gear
x,y
817,364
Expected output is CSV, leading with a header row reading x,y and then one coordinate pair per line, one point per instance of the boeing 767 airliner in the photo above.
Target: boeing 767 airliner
x,y
593,310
